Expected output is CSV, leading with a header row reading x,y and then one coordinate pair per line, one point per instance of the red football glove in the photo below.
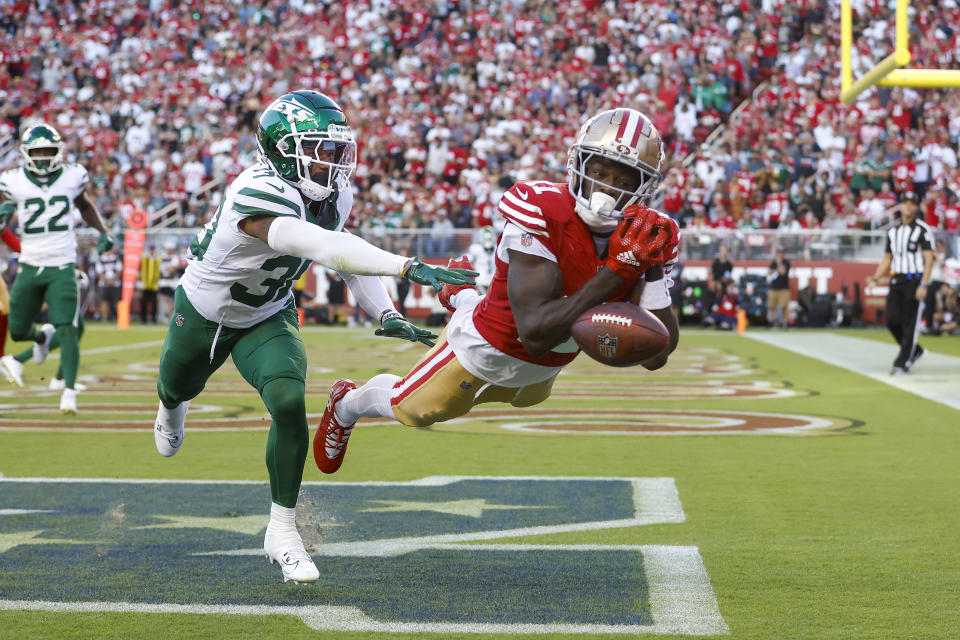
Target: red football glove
x,y
449,290
638,242
672,250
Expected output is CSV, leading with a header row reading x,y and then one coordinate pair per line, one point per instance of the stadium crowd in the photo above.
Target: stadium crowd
x,y
453,101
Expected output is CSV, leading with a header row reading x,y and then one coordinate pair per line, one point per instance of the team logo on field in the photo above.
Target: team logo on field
x,y
206,545
179,320
526,239
607,345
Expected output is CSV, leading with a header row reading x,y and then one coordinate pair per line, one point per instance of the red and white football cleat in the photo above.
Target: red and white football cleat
x,y
450,290
330,442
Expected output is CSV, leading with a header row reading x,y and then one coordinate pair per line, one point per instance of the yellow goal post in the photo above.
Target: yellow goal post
x,y
889,72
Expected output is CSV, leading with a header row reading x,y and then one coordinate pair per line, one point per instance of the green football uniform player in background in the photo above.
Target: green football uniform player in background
x,y
235,298
12,365
41,196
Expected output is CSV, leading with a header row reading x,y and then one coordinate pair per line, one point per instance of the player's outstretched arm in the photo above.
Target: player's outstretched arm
x,y
373,298
436,276
345,252
91,215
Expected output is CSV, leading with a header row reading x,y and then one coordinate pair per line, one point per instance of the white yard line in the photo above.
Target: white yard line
x,y
935,377
117,347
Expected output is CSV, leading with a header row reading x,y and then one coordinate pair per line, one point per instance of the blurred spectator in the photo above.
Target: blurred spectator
x,y
722,269
778,296
723,312
161,100
441,230
934,289
947,313
108,269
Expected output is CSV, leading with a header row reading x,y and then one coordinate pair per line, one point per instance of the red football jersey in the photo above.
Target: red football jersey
x,y
545,211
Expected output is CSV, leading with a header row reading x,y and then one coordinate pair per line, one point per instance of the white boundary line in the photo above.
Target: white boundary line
x,y
118,347
934,379
681,597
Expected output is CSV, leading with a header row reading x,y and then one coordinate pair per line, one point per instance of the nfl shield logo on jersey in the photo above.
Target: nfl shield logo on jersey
x,y
607,345
526,239
179,320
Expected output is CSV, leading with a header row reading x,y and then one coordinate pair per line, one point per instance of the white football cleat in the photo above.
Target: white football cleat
x,y
40,351
168,429
59,384
286,549
12,369
68,402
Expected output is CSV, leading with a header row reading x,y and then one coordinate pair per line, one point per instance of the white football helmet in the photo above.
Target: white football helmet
x,y
625,136
42,149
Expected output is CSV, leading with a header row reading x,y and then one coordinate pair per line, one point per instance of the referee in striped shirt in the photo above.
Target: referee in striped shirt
x,y
908,258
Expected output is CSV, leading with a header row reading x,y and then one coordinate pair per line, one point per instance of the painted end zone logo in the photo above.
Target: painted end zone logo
x,y
393,556
650,422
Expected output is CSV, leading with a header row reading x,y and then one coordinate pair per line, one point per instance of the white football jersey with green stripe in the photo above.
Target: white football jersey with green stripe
x,y
238,280
45,213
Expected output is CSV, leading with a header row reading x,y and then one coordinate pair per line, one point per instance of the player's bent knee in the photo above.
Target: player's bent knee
x,y
414,416
534,394
284,398
66,332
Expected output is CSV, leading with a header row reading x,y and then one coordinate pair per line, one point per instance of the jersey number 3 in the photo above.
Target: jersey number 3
x,y
38,207
274,288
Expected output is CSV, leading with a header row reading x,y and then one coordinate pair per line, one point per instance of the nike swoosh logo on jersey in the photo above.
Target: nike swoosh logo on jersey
x,y
280,189
522,194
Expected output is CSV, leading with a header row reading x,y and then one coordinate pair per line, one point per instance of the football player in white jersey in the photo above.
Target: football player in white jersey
x,y
235,298
41,195
483,257
12,365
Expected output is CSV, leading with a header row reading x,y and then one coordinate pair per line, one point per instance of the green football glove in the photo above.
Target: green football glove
x,y
6,210
394,325
105,242
431,276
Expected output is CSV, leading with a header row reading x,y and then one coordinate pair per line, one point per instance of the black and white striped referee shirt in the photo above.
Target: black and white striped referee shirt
x,y
906,244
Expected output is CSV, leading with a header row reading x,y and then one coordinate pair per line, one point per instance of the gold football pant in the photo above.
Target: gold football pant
x,y
439,389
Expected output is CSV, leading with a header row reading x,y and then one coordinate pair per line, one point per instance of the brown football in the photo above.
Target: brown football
x,y
620,334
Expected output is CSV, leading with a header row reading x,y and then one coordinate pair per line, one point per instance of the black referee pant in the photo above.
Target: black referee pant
x,y
903,316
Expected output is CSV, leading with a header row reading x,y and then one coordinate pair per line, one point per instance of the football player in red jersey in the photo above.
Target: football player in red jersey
x,y
566,247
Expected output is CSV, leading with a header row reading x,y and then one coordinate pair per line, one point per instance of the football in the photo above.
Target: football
x,y
619,334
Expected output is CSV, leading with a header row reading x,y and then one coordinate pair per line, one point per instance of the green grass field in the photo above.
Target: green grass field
x,y
837,519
